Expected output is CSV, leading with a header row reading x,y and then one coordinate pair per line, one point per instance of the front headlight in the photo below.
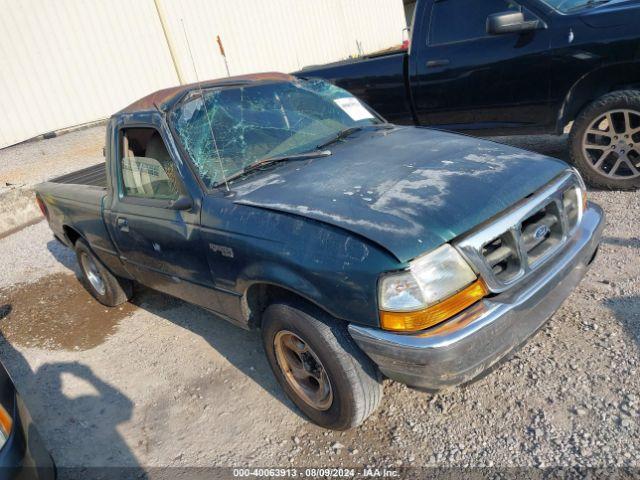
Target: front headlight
x,y
575,201
435,287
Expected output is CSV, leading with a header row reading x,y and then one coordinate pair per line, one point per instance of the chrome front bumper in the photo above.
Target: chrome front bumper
x,y
460,349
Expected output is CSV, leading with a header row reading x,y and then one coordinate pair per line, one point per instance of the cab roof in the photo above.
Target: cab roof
x,y
165,98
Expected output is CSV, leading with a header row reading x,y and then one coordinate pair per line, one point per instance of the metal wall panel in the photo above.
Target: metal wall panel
x,y
68,62
281,35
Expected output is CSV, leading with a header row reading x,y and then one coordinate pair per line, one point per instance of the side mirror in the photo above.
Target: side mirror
x,y
183,202
511,22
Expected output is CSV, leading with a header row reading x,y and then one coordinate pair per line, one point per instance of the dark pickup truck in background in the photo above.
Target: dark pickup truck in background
x,y
357,247
508,67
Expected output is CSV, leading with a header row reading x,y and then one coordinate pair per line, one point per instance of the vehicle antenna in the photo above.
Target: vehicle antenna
x,y
206,110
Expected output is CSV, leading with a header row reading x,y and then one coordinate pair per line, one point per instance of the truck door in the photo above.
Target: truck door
x,y
159,244
464,78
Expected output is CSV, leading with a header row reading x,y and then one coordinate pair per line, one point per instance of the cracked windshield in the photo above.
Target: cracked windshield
x,y
247,124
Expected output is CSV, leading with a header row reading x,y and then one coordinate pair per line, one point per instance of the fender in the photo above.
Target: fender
x,y
591,86
283,277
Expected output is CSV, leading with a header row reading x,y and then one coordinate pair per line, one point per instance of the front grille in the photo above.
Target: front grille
x,y
517,243
541,233
501,255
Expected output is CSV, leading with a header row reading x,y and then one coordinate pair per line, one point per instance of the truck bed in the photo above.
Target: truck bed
x,y
74,201
95,175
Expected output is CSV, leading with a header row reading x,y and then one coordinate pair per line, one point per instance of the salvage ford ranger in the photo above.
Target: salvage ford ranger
x,y
360,249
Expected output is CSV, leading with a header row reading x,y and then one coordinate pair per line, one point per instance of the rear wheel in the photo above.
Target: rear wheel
x,y
319,366
605,141
99,281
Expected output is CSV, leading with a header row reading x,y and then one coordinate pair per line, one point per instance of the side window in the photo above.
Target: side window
x,y
147,169
459,20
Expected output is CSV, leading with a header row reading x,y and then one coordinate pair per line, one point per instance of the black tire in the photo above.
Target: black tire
x,y
624,99
355,381
116,290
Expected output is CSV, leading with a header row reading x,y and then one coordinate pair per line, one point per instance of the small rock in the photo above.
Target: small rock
x,y
579,411
337,446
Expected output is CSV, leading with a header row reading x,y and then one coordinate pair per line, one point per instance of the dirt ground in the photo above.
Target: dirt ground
x,y
159,382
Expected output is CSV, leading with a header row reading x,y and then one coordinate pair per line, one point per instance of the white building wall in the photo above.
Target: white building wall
x,y
282,35
68,62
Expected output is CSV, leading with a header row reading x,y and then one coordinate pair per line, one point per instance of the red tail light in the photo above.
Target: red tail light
x,y
42,207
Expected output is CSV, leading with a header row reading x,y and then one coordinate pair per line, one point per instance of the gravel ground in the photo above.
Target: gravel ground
x,y
29,163
164,383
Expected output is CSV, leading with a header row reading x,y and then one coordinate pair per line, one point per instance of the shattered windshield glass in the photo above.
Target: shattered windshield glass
x,y
243,124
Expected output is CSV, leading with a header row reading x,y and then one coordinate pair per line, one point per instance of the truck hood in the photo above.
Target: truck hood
x,y
408,189
612,14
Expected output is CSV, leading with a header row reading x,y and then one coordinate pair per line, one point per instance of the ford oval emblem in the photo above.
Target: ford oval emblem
x,y
541,232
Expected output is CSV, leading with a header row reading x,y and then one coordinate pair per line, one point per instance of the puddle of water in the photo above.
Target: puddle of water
x,y
57,313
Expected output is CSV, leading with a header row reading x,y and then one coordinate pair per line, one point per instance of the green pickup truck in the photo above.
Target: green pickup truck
x,y
359,248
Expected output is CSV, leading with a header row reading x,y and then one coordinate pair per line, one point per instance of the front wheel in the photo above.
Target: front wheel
x,y
605,141
319,366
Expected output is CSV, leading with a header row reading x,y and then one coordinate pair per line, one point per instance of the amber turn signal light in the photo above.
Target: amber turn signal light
x,y
430,316
6,422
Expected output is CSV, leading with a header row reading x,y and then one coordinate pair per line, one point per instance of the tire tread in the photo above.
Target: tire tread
x,y
358,369
119,290
618,99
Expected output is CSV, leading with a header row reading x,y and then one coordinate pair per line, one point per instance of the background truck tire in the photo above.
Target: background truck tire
x,y
620,140
354,380
107,289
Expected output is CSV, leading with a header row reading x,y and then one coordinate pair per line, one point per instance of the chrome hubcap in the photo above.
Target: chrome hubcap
x,y
92,273
303,370
611,144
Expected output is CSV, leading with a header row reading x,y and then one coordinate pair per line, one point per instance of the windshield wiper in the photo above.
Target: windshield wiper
x,y
341,135
280,158
344,133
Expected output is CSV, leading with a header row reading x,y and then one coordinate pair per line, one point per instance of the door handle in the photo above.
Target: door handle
x,y
438,63
123,224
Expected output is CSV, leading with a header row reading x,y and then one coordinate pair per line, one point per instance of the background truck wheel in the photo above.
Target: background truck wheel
x,y
319,366
100,282
605,141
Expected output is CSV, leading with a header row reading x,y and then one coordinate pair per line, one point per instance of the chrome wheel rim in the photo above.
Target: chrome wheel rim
x,y
93,274
611,144
303,371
